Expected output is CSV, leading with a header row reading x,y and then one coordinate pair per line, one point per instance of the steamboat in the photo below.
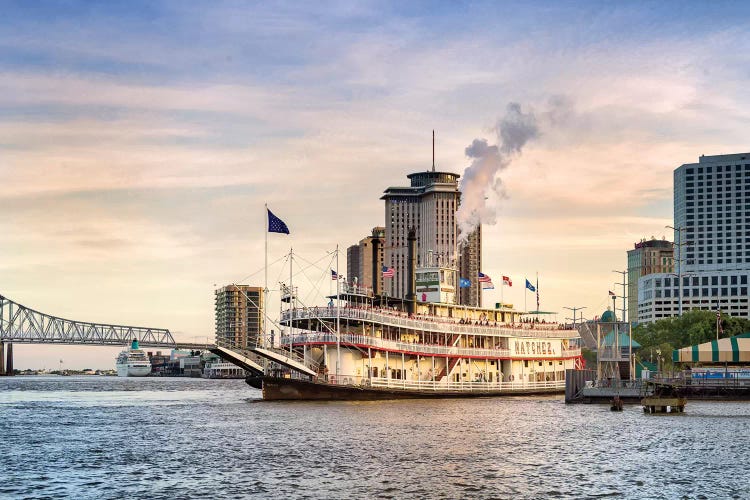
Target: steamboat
x,y
366,346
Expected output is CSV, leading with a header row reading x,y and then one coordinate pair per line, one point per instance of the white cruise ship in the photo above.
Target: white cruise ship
x,y
133,362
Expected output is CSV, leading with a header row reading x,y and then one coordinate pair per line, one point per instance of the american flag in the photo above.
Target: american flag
x,y
486,282
388,272
334,275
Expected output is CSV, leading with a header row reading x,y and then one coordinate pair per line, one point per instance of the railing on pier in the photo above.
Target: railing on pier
x,y
433,324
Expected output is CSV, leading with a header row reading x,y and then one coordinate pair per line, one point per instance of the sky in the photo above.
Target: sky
x,y
139,141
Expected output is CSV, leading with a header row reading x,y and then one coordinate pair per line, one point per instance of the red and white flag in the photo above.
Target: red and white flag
x,y
507,281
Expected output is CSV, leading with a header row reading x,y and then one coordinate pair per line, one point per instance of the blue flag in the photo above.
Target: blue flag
x,y
464,283
530,286
276,225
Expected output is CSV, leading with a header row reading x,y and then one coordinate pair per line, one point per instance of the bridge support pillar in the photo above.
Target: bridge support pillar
x,y
9,362
2,359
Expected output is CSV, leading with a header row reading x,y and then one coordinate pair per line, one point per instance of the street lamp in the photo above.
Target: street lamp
x,y
574,309
678,230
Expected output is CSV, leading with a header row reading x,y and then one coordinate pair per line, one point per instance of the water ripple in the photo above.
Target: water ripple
x,y
101,438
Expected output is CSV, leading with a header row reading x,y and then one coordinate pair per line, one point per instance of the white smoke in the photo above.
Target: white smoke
x,y
480,180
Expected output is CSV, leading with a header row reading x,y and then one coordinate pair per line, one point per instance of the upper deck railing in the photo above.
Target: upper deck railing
x,y
393,345
432,323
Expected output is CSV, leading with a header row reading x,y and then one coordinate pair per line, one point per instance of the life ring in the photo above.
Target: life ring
x,y
511,378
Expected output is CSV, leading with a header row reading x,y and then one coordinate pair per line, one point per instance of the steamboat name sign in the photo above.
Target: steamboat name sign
x,y
535,347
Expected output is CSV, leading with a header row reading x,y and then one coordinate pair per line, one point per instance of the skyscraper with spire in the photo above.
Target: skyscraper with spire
x,y
429,206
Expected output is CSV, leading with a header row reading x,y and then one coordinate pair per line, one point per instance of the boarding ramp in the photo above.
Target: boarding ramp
x,y
239,359
587,331
284,358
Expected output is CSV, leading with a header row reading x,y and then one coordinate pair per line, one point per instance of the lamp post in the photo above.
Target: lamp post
x,y
574,309
678,230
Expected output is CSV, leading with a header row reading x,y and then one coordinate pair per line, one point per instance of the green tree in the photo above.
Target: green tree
x,y
693,327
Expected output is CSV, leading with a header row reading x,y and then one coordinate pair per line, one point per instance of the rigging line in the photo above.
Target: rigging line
x,y
302,269
281,269
327,254
314,264
317,284
258,271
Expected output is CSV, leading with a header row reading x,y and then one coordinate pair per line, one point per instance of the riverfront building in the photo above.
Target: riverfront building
x,y
429,205
647,257
359,260
712,242
239,315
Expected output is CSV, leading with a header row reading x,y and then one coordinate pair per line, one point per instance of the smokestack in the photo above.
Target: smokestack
x,y
375,267
411,272
433,150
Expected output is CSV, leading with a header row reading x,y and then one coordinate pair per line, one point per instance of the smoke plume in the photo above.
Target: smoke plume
x,y
480,180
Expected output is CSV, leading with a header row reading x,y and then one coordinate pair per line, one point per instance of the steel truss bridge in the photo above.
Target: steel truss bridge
x,y
19,323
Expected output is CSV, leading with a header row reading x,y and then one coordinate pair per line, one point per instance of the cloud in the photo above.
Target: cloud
x,y
136,157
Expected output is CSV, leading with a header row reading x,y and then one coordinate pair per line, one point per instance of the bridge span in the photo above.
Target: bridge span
x,y
22,325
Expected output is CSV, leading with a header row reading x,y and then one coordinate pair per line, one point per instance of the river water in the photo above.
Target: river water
x,y
106,437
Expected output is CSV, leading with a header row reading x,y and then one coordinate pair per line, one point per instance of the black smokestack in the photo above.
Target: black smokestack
x,y
411,271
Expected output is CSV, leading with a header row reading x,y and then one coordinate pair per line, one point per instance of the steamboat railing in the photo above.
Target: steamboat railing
x,y
433,324
392,345
430,385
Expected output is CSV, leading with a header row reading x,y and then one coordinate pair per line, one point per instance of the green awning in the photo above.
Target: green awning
x,y
729,350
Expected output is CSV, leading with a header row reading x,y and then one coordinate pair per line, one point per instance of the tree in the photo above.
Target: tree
x,y
693,327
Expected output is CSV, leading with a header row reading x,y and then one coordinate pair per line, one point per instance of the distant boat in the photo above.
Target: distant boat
x,y
133,362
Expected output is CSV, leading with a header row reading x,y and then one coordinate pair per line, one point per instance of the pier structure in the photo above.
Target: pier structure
x,y
614,350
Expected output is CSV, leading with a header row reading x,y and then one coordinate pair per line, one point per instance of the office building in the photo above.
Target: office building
x,y
359,260
239,315
429,206
647,257
712,242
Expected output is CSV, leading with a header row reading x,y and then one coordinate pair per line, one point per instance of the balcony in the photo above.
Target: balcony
x,y
365,341
430,324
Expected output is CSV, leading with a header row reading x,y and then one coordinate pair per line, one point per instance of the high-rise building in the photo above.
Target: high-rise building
x,y
239,315
353,263
359,258
647,257
429,206
469,266
712,242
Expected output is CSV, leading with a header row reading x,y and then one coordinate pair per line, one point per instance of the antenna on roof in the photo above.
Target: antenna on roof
x,y
433,150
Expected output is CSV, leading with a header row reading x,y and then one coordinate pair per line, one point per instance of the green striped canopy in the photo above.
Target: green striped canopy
x,y
731,350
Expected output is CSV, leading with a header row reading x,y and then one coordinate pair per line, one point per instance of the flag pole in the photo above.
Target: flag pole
x,y
338,318
265,282
525,292
291,295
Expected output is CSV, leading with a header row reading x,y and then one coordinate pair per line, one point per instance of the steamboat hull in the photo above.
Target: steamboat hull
x,y
286,389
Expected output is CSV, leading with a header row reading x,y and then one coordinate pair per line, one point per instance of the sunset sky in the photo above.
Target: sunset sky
x,y
139,141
